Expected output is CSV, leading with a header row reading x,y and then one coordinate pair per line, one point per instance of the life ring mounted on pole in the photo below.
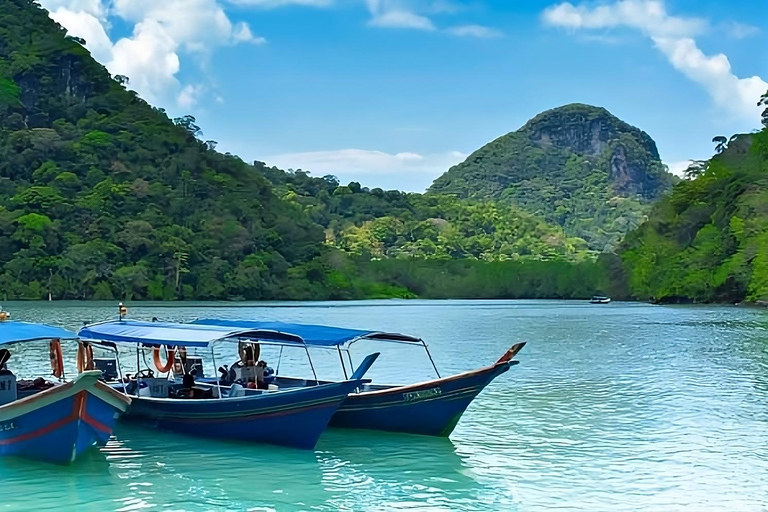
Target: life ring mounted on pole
x,y
84,357
57,358
170,359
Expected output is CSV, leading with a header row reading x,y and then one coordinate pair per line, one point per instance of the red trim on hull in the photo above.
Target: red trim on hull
x,y
77,409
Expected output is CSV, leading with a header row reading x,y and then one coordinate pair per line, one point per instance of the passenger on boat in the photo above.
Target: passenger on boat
x,y
8,390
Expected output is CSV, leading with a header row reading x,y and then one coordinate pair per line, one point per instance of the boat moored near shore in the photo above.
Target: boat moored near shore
x,y
244,411
433,407
52,421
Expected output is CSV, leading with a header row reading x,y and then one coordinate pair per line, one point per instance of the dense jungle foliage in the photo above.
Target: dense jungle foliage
x,y
576,166
103,196
708,241
391,224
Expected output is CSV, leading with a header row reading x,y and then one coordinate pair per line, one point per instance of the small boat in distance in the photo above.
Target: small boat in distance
x,y
600,299
430,408
52,421
294,417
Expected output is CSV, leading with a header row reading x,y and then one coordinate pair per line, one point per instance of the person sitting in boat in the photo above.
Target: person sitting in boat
x,y
8,390
5,355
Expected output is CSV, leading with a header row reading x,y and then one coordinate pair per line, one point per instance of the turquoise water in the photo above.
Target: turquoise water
x,y
617,407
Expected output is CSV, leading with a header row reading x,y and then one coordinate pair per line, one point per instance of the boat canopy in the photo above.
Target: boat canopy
x,y
313,335
12,331
166,333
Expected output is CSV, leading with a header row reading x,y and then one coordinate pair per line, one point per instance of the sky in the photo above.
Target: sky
x,y
391,93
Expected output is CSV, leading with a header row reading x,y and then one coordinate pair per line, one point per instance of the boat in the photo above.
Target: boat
x,y
247,411
51,421
600,299
432,408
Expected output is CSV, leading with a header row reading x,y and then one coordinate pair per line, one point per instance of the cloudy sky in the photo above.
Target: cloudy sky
x,y
393,92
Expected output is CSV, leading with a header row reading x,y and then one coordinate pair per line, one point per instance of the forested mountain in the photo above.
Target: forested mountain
x,y
392,224
104,196
577,166
708,241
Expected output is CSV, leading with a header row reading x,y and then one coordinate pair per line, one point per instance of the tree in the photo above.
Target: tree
x,y
763,102
721,143
188,123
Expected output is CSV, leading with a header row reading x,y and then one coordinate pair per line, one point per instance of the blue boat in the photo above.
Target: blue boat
x,y
294,417
430,408
52,421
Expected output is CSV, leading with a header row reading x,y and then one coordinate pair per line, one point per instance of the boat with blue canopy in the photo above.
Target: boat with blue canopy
x,y
433,407
247,410
52,421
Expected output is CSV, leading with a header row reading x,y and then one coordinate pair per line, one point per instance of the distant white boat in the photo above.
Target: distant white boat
x,y
600,299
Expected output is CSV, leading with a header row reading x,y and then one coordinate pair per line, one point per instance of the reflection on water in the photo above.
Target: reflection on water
x,y
618,407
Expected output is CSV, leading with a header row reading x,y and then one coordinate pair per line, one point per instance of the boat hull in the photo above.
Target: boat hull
x,y
430,408
294,418
60,424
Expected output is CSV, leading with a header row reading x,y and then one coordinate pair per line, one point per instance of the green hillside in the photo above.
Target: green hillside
x,y
103,195
708,241
391,224
577,166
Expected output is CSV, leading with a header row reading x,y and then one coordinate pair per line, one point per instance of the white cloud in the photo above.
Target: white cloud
x,y
89,26
740,30
474,31
189,95
674,37
649,16
401,19
161,30
396,14
406,170
678,168
269,4
93,7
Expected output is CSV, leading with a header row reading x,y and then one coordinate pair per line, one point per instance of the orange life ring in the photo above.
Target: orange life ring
x,y
84,357
164,367
57,358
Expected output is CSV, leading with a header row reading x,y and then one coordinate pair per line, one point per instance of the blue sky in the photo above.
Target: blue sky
x,y
390,93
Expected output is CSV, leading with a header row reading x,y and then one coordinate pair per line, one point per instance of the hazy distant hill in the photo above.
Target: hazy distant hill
x,y
577,165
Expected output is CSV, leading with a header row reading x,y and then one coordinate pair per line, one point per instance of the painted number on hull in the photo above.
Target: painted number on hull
x,y
5,427
421,395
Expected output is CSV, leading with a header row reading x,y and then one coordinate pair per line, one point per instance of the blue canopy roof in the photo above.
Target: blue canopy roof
x,y
165,333
316,335
16,332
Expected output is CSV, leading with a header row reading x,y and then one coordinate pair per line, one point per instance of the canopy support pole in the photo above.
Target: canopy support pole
x,y
349,356
430,359
120,371
215,372
317,382
341,358
279,358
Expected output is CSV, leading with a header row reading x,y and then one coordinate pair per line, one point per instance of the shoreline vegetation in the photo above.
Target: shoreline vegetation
x,y
104,197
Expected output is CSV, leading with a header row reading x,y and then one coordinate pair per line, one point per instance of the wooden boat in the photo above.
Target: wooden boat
x,y
293,417
600,299
52,421
430,408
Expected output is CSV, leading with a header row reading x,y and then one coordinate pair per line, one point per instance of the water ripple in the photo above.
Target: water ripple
x,y
624,407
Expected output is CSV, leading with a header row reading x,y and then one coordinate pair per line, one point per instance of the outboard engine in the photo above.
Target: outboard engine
x,y
108,367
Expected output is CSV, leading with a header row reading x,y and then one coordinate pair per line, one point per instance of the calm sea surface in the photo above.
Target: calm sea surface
x,y
617,407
